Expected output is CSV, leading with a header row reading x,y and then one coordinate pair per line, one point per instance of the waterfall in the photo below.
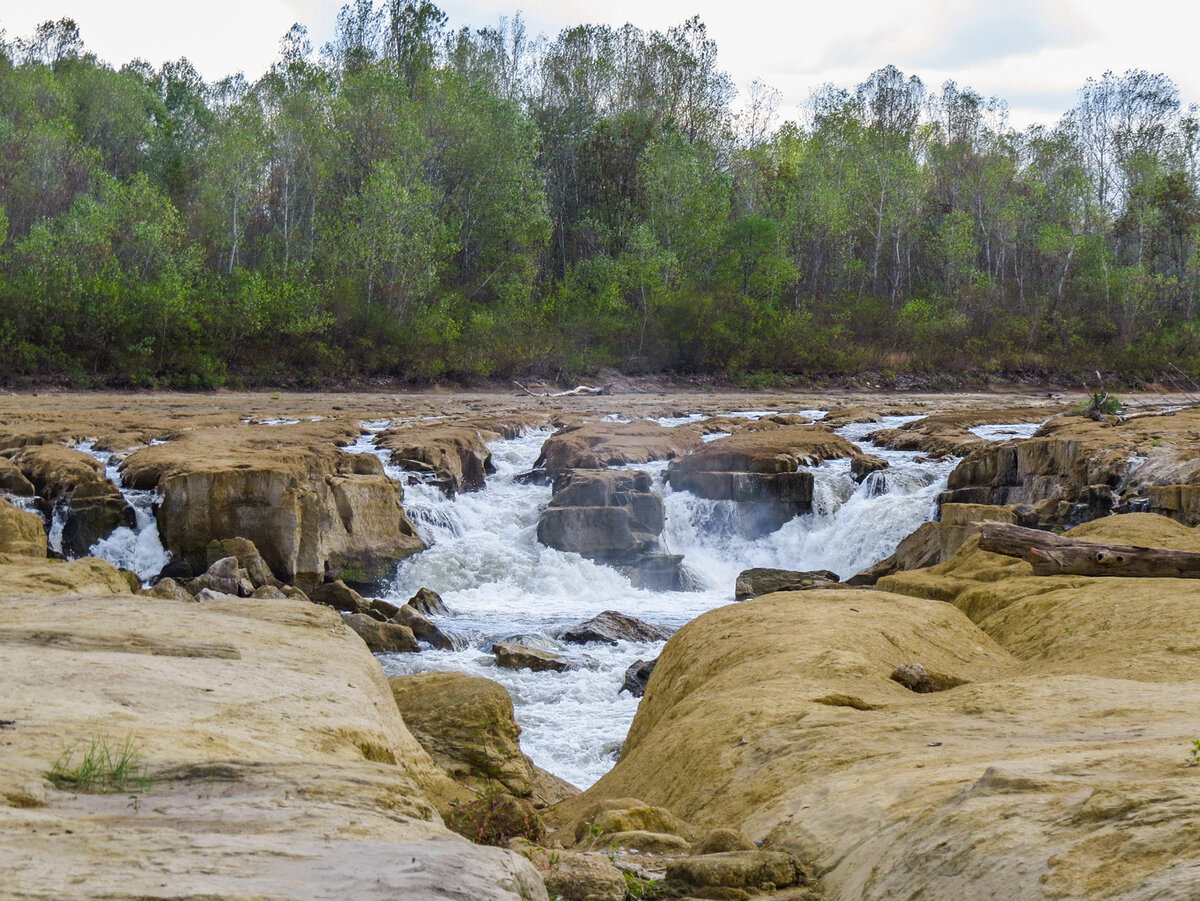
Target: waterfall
x,y
499,582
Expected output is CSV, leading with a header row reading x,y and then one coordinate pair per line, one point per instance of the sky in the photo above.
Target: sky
x,y
1033,54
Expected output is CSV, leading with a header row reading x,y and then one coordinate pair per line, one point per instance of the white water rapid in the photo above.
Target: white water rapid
x,y
138,549
499,582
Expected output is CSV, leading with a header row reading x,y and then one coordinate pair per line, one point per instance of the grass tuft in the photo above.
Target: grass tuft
x,y
101,768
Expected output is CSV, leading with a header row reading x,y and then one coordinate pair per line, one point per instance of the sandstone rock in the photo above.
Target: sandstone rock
x,y
268,593
27,576
611,627
754,582
56,472
421,627
581,876
637,674
457,454
21,533
643,818
428,602
915,677
382,608
248,558
170,590
382,638
754,870
759,471
95,510
212,594
612,517
518,656
225,577
466,724
306,507
281,765
862,465
718,841
597,445
13,481
340,596
647,842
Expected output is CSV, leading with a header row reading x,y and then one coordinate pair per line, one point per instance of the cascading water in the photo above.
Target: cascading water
x,y
138,549
499,582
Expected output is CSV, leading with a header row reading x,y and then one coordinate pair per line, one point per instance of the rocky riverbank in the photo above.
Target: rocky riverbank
x,y
783,745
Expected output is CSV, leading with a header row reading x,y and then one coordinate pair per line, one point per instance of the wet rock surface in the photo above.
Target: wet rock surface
x,y
754,582
611,627
599,445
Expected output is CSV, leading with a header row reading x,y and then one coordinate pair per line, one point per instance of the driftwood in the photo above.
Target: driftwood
x,y
577,391
1053,555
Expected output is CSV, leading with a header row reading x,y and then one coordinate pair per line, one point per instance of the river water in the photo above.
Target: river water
x,y
500,583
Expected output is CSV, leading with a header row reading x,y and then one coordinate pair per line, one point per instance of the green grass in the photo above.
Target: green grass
x,y
100,768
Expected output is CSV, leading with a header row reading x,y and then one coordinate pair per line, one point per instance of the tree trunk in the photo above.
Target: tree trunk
x,y
1053,555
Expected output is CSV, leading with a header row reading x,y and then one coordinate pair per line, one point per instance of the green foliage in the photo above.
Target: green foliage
x,y
421,205
637,887
494,817
100,767
1194,754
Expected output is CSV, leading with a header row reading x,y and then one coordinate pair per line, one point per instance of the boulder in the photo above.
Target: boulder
x,y
862,465
630,816
612,517
915,677
466,724
637,674
56,472
268,593
248,558
169,589
518,656
597,445
340,596
225,577
719,841
580,875
21,532
307,507
750,870
428,602
611,627
754,582
381,638
421,627
759,470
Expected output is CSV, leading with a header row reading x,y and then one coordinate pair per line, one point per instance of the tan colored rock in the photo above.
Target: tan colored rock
x,y
636,817
281,767
580,875
306,506
457,454
21,532
25,576
466,724
421,627
13,481
382,638
169,589
55,471
752,583
428,602
754,870
717,841
248,558
340,596
949,431
597,445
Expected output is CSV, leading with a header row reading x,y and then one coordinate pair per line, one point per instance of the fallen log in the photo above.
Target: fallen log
x,y
1053,555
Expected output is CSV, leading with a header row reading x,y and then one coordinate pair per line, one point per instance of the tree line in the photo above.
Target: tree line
x,y
416,202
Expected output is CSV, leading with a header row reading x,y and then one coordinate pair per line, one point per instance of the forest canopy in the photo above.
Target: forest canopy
x,y
416,202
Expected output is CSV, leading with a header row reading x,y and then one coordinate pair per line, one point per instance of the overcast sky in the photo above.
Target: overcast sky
x,y
1034,54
